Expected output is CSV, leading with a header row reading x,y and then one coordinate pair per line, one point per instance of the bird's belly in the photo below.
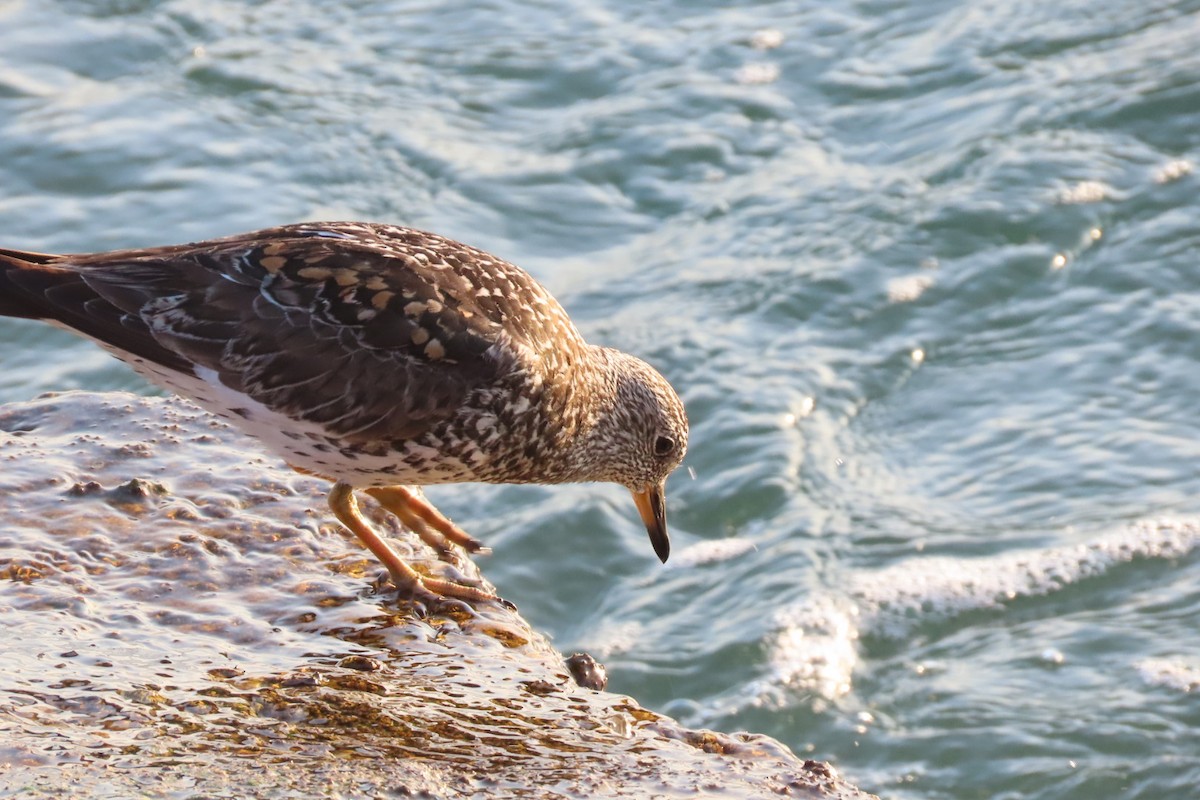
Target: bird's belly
x,y
302,444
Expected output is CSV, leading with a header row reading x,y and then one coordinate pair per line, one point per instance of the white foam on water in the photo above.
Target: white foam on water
x,y
1173,171
766,39
813,649
709,552
908,288
916,591
1168,673
615,638
1085,192
752,74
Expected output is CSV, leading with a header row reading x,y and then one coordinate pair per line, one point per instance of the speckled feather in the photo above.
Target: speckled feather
x,y
368,353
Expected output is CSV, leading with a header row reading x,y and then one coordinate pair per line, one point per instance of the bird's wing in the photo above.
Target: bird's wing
x,y
375,337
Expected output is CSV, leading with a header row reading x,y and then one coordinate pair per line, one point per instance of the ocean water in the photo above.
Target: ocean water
x,y
927,276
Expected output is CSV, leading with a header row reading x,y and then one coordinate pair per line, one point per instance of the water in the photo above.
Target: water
x,y
924,274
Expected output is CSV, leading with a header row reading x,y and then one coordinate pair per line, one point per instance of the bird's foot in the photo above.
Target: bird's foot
x,y
422,588
438,594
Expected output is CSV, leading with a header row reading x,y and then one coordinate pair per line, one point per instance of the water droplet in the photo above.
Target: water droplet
x,y
1052,656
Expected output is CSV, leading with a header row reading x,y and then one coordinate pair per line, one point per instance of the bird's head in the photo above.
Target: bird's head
x,y
639,438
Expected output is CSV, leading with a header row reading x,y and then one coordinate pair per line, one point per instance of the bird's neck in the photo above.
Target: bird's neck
x,y
553,432
580,401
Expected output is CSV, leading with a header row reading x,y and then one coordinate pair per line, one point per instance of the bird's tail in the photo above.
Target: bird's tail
x,y
55,288
24,278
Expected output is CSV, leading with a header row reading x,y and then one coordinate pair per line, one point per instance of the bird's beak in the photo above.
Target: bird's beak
x,y
652,505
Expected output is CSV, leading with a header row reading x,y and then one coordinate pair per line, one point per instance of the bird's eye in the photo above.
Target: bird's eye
x,y
663,445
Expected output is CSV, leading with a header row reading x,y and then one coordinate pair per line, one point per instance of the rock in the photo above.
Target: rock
x,y
183,617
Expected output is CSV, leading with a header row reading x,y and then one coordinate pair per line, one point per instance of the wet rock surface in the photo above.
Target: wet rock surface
x,y
182,617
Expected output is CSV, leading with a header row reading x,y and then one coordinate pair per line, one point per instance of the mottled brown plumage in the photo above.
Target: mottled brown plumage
x,y
375,356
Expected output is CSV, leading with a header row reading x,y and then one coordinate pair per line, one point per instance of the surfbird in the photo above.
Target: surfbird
x,y
377,357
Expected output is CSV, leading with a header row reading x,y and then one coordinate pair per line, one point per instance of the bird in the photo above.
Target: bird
x,y
377,357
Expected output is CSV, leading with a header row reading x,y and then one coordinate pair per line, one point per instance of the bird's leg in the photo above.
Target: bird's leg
x,y
345,508
424,520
